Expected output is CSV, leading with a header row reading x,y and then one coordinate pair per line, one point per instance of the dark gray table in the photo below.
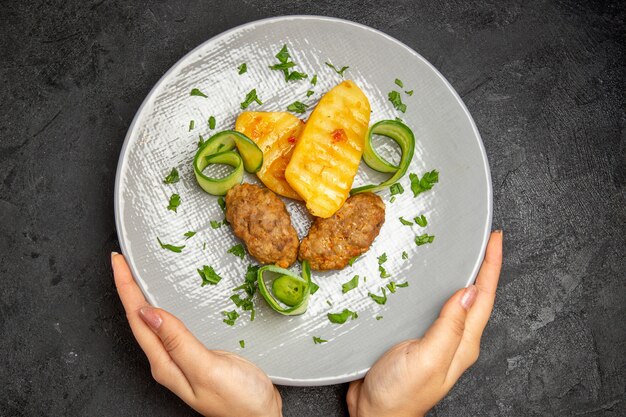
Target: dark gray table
x,y
544,81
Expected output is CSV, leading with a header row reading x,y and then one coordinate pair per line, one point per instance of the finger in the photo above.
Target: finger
x,y
178,342
352,398
164,370
442,339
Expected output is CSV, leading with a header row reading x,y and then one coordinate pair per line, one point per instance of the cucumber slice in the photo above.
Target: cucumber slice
x,y
300,305
217,186
228,139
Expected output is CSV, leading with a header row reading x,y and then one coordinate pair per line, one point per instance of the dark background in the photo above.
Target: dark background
x,y
545,82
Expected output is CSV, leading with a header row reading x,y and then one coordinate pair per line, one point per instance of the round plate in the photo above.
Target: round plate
x,y
458,208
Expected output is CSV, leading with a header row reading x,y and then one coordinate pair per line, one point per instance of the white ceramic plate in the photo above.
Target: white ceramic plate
x,y
458,208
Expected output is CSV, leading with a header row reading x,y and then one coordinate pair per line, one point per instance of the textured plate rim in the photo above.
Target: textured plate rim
x,y
121,164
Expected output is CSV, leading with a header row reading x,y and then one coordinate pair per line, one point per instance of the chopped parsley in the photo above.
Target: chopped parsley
x,y
379,299
192,124
405,255
314,288
424,239
421,220
352,260
250,98
338,71
177,249
295,75
379,317
309,93
203,245
242,69
297,107
399,83
392,199
222,203
285,64
238,250
172,177
212,122
231,317
208,275
403,285
391,287
241,342
329,303
215,224
341,318
396,100
174,203
189,234
318,340
196,92
382,259
350,285
429,179
249,286
314,80
396,188
409,93
283,55
383,272
405,222
200,141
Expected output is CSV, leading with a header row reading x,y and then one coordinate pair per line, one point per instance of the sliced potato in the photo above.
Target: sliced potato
x,y
276,133
327,155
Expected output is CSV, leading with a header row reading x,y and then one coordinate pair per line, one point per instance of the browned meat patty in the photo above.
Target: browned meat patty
x,y
260,219
348,233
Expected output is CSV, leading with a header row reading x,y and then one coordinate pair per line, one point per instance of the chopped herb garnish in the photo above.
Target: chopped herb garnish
x,y
283,66
405,255
189,234
215,224
242,69
424,239
399,120
396,100
426,183
396,188
314,288
392,199
309,93
297,107
409,93
391,287
249,286
212,122
350,285
295,76
380,299
250,97
203,245
241,342
383,272
196,92
405,222
352,260
382,259
231,317
222,203
177,249
341,318
421,220
364,279
172,177
200,141
192,124
238,250
329,303
283,54
314,80
399,83
403,285
338,71
174,203
284,57
208,275
318,340
379,317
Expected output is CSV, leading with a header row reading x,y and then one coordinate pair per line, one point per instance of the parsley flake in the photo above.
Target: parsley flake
x,y
295,75
350,285
285,64
329,303
231,317
314,80
200,141
283,55
222,203
421,220
396,188
409,93
242,69
403,285
174,203
341,318
383,272
379,317
212,122
424,239
314,288
297,107
405,255
396,100
379,299
215,224
318,340
338,71
353,260
208,275
250,98
241,342
392,199
391,287
238,250
177,249
399,83
309,93
429,179
192,124
189,234
172,177
196,92
405,222
382,259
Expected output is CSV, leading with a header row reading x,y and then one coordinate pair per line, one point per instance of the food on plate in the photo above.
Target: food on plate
x,y
218,149
403,136
259,218
332,242
288,289
276,133
327,155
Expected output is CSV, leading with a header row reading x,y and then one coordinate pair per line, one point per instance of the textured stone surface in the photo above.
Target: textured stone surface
x,y
545,82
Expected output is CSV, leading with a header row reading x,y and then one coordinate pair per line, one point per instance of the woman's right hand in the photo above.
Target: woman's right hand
x,y
413,376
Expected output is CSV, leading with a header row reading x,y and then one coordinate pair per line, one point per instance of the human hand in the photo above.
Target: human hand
x,y
214,383
413,376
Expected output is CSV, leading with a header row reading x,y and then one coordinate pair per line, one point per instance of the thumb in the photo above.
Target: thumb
x,y
352,398
182,346
442,339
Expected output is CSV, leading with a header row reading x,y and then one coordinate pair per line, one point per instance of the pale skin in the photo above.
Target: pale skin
x,y
407,381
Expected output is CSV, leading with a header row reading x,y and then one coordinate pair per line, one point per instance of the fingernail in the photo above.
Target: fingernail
x,y
151,317
498,231
113,253
468,297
